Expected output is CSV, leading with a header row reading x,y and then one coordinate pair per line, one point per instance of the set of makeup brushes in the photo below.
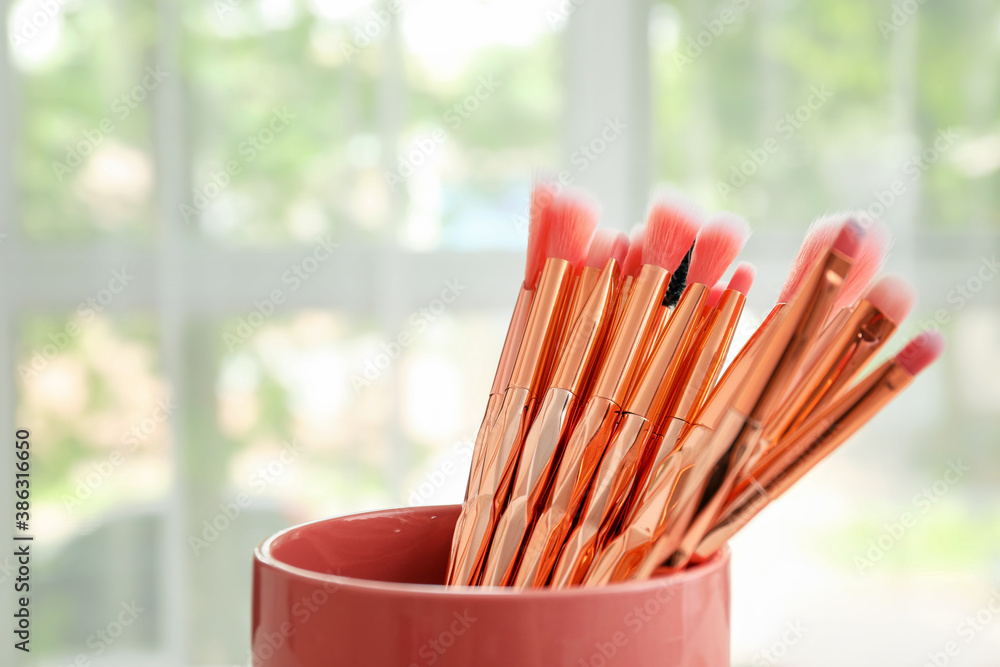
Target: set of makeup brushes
x,y
616,441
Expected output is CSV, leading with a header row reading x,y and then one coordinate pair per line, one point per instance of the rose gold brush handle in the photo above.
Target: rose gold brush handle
x,y
531,488
500,381
678,496
839,361
689,383
806,315
542,448
645,402
632,432
502,449
584,450
815,440
667,506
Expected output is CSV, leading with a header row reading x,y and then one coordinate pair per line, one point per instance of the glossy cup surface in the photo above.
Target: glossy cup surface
x,y
364,590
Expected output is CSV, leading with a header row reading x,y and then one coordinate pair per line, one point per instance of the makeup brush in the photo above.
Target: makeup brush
x,y
570,226
678,281
845,354
714,296
543,443
633,258
716,246
630,269
870,259
672,201
669,233
541,197
824,432
607,243
723,308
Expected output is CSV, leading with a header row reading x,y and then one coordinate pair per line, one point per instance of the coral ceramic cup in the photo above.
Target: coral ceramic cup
x,y
365,591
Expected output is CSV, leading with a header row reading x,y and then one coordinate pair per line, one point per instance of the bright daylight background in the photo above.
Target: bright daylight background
x,y
173,318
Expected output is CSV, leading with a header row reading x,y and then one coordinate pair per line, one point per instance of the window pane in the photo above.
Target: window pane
x,y
446,375
285,428
485,104
84,158
98,413
297,391
787,112
285,145
356,119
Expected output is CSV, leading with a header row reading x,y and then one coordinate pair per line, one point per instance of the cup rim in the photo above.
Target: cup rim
x,y
263,554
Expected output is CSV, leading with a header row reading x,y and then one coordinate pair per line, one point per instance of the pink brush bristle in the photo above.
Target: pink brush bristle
x,y
867,262
868,259
573,220
671,228
849,238
743,278
818,240
607,244
633,258
715,295
539,219
717,245
920,352
894,296
620,247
